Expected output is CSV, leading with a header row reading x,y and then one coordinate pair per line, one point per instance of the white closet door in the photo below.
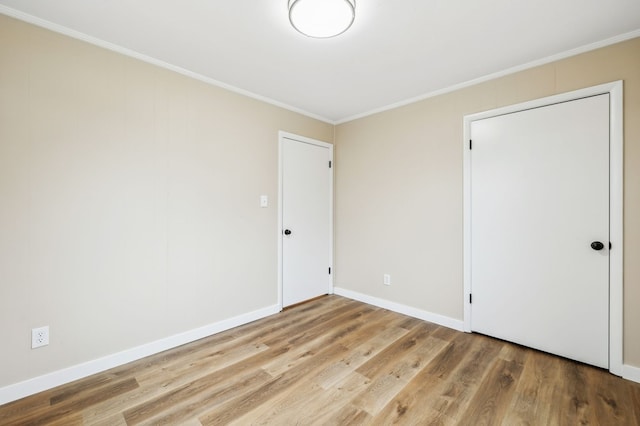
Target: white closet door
x,y
539,199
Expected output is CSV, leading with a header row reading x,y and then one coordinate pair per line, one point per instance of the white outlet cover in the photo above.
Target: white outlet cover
x,y
39,337
264,201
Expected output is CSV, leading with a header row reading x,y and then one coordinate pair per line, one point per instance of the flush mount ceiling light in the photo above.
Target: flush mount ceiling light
x,y
322,18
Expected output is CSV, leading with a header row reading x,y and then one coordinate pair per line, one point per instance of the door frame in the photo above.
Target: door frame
x,y
616,159
301,139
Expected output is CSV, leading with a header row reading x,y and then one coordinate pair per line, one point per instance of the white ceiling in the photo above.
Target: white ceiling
x,y
396,50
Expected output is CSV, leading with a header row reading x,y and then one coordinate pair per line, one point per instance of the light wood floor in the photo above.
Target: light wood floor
x,y
334,361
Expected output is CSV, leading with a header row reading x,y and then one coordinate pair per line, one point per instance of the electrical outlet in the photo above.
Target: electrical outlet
x,y
39,337
386,279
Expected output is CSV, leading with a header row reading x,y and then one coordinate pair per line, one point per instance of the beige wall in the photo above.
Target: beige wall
x,y
399,186
129,201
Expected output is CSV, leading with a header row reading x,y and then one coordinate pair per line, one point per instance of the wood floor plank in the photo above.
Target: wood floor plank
x,y
376,365
194,406
114,420
386,384
302,331
311,330
327,349
205,359
298,396
69,411
238,407
454,395
349,415
445,364
164,360
571,395
179,366
212,389
293,407
608,400
533,391
358,355
73,390
316,339
434,398
73,419
634,396
328,402
493,398
162,387
286,408
22,408
335,361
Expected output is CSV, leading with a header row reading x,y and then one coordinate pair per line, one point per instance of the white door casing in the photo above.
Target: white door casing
x,y
305,218
592,312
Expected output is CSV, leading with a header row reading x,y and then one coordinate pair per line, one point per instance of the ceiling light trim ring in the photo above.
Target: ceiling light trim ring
x,y
319,25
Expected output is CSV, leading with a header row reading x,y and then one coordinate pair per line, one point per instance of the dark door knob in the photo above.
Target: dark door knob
x,y
597,245
287,232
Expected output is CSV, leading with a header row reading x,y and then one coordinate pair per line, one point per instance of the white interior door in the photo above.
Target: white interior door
x,y
306,219
539,199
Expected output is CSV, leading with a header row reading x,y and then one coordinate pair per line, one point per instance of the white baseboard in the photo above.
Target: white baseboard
x,y
630,372
402,309
67,375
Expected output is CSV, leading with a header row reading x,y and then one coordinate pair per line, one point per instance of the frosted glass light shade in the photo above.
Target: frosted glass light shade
x,y
322,18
